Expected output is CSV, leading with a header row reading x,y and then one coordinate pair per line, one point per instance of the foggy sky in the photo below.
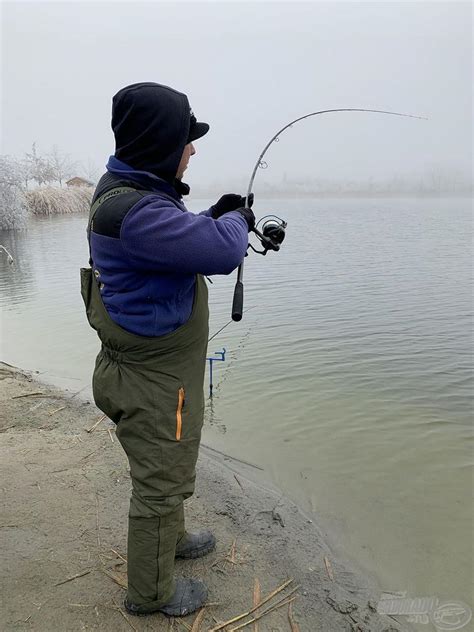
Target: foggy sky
x,y
248,69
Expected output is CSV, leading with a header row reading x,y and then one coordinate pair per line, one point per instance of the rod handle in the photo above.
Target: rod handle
x,y
238,302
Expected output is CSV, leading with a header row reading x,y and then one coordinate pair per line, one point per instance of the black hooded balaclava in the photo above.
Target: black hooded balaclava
x,y
152,124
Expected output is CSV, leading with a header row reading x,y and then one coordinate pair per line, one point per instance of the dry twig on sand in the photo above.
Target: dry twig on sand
x,y
116,578
97,520
88,455
56,410
196,627
28,395
293,625
328,566
39,395
117,607
276,606
279,604
262,602
257,596
118,555
101,418
231,555
69,579
238,482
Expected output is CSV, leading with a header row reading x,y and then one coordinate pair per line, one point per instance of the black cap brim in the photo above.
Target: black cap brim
x,y
198,130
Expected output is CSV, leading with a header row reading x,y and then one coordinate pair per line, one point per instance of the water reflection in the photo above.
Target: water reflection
x,y
17,281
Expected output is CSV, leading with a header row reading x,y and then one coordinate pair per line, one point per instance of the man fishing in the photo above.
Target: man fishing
x,y
146,296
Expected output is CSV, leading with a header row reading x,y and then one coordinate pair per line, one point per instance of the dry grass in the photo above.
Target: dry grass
x,y
55,201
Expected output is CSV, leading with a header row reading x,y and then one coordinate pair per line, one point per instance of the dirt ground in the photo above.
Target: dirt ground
x,y
65,491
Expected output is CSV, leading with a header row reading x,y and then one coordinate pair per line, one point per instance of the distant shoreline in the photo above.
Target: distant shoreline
x,y
339,196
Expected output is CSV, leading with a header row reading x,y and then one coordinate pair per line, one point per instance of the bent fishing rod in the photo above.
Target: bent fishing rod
x,y
272,232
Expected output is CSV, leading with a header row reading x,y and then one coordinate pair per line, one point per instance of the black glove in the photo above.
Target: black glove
x,y
229,202
248,215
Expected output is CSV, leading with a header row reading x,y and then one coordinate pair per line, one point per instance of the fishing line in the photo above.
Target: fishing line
x,y
227,324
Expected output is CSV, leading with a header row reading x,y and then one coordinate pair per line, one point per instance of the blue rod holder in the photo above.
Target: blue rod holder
x,y
211,362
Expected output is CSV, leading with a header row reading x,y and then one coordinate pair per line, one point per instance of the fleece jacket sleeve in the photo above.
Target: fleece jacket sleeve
x,y
158,236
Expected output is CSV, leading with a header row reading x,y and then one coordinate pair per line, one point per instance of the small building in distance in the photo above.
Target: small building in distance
x,y
79,182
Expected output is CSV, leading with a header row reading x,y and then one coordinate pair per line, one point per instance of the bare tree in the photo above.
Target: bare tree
x,y
90,171
62,165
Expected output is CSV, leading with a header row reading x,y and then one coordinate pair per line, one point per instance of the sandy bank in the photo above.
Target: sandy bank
x,y
65,495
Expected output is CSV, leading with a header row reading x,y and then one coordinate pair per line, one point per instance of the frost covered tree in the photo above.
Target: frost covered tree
x,y
10,171
39,168
13,213
26,171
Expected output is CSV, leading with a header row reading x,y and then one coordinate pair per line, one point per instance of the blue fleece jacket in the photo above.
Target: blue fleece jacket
x,y
148,272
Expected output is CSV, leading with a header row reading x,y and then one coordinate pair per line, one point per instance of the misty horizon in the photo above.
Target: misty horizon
x,y
248,69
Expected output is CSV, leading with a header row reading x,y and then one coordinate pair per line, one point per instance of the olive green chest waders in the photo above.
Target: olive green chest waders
x,y
152,388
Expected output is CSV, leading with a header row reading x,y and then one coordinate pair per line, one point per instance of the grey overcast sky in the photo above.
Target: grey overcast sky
x,y
249,68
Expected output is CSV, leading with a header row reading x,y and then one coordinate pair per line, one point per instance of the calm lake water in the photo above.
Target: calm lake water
x,y
349,380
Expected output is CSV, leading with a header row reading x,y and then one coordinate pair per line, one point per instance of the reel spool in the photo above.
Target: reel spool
x,y
271,234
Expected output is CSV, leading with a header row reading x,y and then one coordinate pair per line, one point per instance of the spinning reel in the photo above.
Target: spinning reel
x,y
271,234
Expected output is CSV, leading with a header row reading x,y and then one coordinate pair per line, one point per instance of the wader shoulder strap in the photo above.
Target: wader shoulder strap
x,y
113,193
100,200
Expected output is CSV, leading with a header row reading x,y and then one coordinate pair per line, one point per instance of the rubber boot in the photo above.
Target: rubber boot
x,y
195,544
189,595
